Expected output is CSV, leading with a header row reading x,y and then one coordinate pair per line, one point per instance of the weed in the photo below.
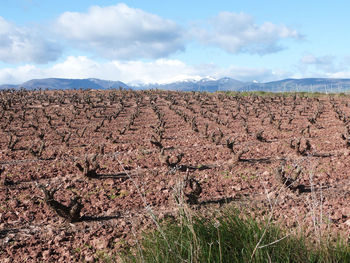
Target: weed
x,y
229,238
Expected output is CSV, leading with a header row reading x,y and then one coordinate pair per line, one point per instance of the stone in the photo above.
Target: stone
x,y
347,222
346,211
265,173
100,243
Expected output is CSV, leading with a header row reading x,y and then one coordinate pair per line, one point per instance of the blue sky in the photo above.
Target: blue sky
x,y
157,41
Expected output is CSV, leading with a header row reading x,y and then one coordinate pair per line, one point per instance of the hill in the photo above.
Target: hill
x,y
207,84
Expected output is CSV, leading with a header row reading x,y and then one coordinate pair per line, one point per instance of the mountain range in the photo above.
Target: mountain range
x,y
206,84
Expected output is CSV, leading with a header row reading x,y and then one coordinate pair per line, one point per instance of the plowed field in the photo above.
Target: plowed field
x,y
289,153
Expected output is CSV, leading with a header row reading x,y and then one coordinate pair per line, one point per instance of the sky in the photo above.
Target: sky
x,y
153,41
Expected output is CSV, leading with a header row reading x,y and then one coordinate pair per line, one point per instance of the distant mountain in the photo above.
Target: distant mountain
x,y
109,84
206,84
8,86
210,85
58,83
307,84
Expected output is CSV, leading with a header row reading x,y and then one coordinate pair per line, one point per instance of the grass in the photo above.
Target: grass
x,y
230,237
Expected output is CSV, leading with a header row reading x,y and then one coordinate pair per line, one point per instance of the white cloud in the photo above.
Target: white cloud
x,y
313,60
158,71
238,33
121,32
19,44
326,65
255,74
340,75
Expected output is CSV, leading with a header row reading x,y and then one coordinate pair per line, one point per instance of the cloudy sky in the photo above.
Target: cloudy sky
x,y
141,41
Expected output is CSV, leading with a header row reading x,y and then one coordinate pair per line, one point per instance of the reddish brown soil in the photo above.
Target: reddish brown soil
x,y
132,179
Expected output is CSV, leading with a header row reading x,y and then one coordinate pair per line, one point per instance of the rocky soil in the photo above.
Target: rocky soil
x,y
107,160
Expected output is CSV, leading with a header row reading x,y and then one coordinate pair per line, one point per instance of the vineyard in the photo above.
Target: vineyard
x,y
83,172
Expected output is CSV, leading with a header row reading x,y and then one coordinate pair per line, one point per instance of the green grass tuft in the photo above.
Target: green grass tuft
x,y
229,238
